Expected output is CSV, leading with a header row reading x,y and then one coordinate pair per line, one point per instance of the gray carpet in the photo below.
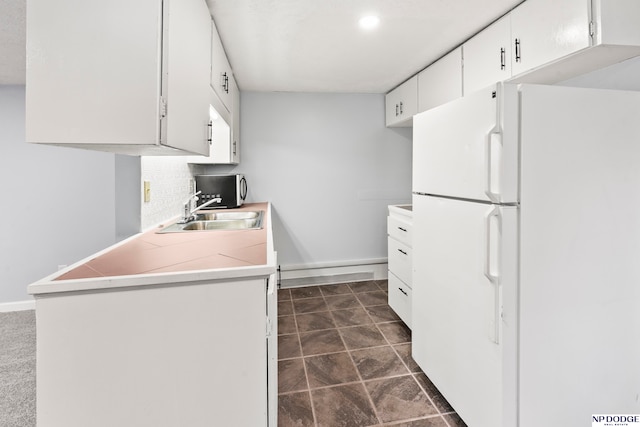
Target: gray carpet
x,y
18,369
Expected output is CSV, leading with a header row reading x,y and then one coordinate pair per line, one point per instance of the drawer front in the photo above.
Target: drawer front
x,y
400,256
400,298
399,229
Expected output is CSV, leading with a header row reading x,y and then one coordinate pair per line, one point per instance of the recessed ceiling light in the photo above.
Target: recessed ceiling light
x,y
369,22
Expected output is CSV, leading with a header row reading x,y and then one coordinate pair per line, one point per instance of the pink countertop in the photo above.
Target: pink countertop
x,y
151,252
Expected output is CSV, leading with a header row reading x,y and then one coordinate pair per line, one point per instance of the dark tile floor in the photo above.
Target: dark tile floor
x,y
344,360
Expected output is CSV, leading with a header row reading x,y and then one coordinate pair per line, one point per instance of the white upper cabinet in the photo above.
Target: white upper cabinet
x,y
119,76
487,56
441,82
224,136
554,41
224,99
402,103
545,30
220,69
235,119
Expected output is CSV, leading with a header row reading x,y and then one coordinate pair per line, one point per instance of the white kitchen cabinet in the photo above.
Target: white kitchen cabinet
x,y
551,43
235,120
441,82
221,75
400,298
400,260
155,356
402,104
541,41
487,56
544,30
224,142
118,76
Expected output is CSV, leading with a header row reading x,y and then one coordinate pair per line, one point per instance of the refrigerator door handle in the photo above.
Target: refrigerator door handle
x,y
493,137
492,265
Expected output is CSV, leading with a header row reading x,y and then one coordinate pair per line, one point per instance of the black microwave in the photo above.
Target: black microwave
x,y
226,191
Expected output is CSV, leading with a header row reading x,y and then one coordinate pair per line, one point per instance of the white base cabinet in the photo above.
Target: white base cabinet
x,y
119,76
185,354
400,298
400,259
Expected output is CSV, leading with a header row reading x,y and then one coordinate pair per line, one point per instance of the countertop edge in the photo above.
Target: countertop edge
x,y
49,286
399,210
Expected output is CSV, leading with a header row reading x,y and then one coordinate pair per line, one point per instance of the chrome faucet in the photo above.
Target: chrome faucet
x,y
189,211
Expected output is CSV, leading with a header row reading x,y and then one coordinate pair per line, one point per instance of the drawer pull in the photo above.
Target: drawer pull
x,y
402,229
402,252
402,290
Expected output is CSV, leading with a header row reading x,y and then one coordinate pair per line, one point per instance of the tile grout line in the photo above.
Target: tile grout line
x,y
304,364
360,304
361,382
412,374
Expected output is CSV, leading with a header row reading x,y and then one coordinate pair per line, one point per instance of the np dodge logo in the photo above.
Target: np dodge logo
x,y
617,420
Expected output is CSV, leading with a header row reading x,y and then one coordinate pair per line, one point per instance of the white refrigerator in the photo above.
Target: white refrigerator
x,y
526,297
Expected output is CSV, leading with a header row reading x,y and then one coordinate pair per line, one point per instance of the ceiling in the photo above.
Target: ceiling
x,y
316,45
313,45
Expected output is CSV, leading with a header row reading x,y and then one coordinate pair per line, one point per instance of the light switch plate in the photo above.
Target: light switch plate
x,y
147,191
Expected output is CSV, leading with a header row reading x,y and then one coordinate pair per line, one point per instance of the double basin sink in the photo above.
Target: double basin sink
x,y
208,221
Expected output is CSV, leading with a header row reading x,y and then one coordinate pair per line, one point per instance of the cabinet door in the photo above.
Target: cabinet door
x,y
400,260
617,22
400,298
544,30
87,83
220,69
487,56
441,82
402,103
235,120
399,228
220,143
186,75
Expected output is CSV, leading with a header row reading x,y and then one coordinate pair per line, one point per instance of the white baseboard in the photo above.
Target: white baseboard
x,y
292,276
7,307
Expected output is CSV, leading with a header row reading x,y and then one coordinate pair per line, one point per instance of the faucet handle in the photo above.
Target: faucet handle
x,y
191,197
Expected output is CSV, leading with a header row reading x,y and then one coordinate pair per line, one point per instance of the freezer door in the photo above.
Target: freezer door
x,y
467,149
580,255
464,266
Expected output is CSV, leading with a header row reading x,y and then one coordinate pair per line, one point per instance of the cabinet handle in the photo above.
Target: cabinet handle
x,y
234,148
210,132
502,58
402,290
396,110
402,229
402,252
224,82
518,57
401,108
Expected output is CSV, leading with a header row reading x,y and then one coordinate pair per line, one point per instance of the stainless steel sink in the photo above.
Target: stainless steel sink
x,y
209,221
209,216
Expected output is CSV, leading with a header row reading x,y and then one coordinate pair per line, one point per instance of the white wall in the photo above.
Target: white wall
x,y
329,166
170,180
57,203
128,195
